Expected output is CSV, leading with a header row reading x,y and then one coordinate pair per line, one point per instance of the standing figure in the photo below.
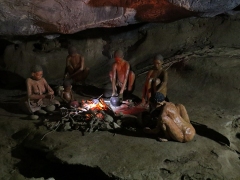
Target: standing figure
x,y
156,81
75,67
173,120
39,93
121,76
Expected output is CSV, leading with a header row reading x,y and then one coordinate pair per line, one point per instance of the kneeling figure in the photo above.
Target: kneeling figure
x,y
173,120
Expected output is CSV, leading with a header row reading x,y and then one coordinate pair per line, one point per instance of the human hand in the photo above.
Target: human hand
x,y
49,96
121,96
143,101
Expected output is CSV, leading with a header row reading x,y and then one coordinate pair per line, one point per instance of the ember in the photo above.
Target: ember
x,y
91,116
95,104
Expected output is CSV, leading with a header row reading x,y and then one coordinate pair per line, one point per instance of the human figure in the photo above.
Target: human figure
x,y
39,93
173,120
121,76
75,66
66,94
156,81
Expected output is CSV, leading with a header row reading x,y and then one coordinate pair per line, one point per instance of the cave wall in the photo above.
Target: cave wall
x,y
66,17
139,42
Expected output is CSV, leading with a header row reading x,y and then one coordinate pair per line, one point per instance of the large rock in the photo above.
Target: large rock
x,y
139,43
51,16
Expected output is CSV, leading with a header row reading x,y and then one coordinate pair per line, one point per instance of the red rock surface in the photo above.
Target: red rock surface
x,y
67,17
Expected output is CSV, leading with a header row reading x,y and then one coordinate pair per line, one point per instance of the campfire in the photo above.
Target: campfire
x,y
92,115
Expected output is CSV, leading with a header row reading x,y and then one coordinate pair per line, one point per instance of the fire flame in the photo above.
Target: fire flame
x,y
100,105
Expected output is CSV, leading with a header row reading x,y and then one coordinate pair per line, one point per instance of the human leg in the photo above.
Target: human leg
x,y
131,80
111,79
172,130
81,76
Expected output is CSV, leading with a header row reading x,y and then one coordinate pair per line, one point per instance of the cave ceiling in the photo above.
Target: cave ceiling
x,y
24,17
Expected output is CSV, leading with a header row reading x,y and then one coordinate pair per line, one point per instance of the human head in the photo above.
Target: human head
x,y
72,50
67,85
158,61
157,99
37,72
118,54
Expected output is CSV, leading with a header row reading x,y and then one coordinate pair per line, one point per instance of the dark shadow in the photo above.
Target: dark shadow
x,y
11,80
130,131
15,98
205,131
237,8
94,92
12,108
35,164
238,135
91,91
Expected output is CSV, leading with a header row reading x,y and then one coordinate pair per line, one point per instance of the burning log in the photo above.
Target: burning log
x,y
91,116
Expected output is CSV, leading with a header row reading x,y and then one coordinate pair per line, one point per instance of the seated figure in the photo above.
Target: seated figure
x,y
173,121
39,93
75,66
121,76
156,81
66,94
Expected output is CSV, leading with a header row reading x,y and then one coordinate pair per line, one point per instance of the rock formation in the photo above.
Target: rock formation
x,y
67,17
204,34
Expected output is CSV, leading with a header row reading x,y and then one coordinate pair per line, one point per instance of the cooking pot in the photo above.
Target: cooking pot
x,y
115,101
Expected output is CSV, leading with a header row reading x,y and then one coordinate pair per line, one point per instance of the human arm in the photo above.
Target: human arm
x,y
31,95
146,87
114,69
66,68
81,67
164,80
127,69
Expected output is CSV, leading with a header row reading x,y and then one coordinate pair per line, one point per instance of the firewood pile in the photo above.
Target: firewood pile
x,y
92,115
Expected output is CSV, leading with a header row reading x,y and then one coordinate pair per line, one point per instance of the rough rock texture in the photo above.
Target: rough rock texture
x,y
211,98
206,82
139,43
66,17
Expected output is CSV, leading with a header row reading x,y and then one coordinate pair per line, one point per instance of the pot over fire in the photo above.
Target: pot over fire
x,y
115,101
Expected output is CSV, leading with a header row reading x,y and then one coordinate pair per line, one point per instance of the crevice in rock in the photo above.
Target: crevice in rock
x,y
4,43
237,8
143,36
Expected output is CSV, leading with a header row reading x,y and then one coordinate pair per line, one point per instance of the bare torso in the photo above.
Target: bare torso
x,y
160,78
177,127
74,63
67,96
39,94
75,68
122,70
38,87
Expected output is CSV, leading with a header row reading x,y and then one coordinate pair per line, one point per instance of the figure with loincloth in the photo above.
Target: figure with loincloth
x,y
156,81
39,93
172,120
121,76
